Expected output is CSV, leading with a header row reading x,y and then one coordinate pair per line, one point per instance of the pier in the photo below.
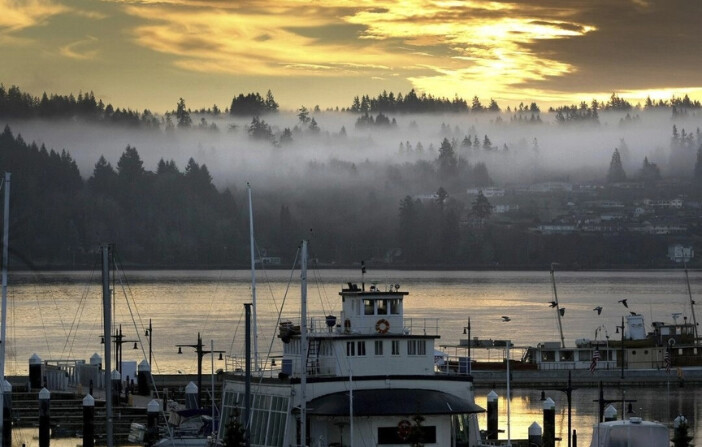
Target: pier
x,y
67,406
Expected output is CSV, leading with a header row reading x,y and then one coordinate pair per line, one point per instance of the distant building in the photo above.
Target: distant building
x,y
506,208
679,253
487,192
268,260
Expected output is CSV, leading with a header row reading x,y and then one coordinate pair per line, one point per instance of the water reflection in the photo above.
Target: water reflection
x,y
662,404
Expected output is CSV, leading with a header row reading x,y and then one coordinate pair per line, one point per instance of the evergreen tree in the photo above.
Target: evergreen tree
x,y
270,104
447,160
481,208
303,115
616,172
697,173
183,115
103,178
649,172
259,129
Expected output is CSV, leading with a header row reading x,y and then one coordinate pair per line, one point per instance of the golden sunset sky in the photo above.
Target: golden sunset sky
x,y
148,53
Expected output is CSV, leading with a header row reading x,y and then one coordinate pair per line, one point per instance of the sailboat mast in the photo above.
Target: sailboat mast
x,y
305,347
3,324
692,303
253,278
107,325
558,309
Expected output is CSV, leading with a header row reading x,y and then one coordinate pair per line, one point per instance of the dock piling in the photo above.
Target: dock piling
x,y
88,421
44,417
492,424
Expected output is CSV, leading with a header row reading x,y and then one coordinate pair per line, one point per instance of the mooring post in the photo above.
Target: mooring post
x,y
535,435
492,424
152,410
575,438
191,392
7,414
144,378
44,417
88,421
549,439
116,386
35,363
610,413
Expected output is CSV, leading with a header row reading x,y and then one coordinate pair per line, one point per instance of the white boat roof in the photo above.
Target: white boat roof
x,y
633,432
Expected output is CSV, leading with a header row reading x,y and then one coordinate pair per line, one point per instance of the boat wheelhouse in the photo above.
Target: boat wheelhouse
x,y
365,378
636,349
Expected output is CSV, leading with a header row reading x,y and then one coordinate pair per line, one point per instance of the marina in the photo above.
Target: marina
x,y
446,298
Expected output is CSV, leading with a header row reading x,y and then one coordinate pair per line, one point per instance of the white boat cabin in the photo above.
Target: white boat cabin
x,y
368,379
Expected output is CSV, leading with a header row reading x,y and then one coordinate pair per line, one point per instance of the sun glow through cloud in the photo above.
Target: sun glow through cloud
x,y
444,47
509,50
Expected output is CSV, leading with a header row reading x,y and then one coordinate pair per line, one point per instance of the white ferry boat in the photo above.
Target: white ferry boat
x,y
365,378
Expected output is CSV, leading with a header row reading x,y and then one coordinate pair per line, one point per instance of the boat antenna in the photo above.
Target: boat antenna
x,y
363,275
303,342
107,252
692,303
253,278
559,312
3,324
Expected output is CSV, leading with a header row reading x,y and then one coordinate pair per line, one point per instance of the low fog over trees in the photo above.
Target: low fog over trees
x,y
402,180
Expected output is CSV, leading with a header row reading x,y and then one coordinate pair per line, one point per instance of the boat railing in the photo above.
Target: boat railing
x,y
453,365
412,326
422,326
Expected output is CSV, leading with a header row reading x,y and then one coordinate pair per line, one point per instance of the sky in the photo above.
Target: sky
x,y
149,53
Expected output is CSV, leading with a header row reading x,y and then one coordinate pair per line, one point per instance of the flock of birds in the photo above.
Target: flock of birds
x,y
553,304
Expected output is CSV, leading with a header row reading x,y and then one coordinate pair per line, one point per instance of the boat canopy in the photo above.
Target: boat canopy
x,y
389,402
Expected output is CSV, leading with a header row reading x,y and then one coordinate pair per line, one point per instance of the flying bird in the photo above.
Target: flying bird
x,y
553,304
624,303
562,311
506,318
598,309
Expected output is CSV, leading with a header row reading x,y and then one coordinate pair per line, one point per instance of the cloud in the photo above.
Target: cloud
x,y
17,15
80,50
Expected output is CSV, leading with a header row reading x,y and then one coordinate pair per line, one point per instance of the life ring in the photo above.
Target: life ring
x,y
382,326
404,429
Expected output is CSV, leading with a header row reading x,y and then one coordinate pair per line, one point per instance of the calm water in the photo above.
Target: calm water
x,y
59,317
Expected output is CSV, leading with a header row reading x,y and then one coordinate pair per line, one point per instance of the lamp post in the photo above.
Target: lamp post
x,y
119,340
149,333
466,330
200,354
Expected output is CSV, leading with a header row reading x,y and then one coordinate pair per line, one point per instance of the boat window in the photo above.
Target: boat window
x,y
416,347
584,355
566,356
548,356
350,348
395,307
382,307
379,347
368,307
396,347
461,431
361,348
269,416
355,308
